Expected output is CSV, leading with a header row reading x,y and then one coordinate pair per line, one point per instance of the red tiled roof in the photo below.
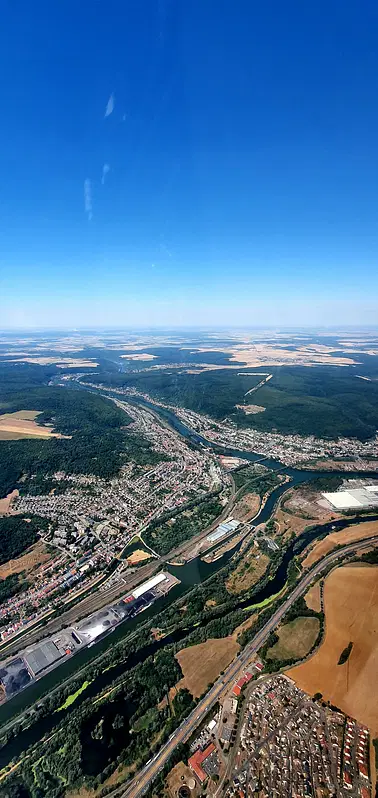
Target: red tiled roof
x,y
236,689
363,770
196,760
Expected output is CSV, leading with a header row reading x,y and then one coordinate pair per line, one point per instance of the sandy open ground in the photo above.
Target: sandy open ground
x,y
251,410
249,570
351,608
349,535
141,356
138,556
213,656
20,425
247,507
35,556
5,504
299,508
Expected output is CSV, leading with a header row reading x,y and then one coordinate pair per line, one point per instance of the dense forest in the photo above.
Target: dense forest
x,y
163,537
123,730
99,440
212,392
17,533
11,585
324,401
261,483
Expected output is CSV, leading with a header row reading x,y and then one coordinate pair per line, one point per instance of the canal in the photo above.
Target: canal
x,y
192,573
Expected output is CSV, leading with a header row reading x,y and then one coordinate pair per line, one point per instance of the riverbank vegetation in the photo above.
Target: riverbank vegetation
x,y
195,516
257,477
88,746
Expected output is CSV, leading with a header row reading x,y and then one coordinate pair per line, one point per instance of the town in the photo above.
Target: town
x,y
94,520
290,450
270,739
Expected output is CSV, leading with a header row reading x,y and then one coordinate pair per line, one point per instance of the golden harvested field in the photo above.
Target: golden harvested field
x,y
34,557
312,598
138,556
203,663
295,639
59,362
349,535
248,571
351,608
257,354
21,424
25,415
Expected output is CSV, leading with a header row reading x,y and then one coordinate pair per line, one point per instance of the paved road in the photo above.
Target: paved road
x,y
146,776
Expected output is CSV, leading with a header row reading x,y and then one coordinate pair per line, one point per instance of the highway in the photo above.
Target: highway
x,y
146,776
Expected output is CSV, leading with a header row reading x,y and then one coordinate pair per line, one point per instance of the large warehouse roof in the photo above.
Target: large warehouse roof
x,y
42,656
342,500
148,585
356,497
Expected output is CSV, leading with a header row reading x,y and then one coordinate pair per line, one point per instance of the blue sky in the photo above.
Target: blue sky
x,y
189,161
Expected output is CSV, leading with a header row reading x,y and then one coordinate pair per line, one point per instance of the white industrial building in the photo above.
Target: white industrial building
x,y
223,529
355,498
146,586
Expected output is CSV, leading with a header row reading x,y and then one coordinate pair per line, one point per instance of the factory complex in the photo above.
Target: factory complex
x,y
226,528
358,496
35,661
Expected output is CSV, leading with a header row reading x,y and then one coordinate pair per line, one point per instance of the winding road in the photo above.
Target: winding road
x,y
147,775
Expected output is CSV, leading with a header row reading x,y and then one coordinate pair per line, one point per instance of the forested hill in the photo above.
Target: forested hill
x,y
328,402
100,442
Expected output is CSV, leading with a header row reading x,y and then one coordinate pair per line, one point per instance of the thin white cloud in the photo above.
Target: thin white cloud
x,y
110,105
105,170
88,198
165,249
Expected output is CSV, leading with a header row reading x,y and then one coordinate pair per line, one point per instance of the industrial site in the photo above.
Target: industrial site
x,y
35,661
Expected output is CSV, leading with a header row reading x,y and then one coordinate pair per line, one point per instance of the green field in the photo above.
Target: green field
x,y
296,639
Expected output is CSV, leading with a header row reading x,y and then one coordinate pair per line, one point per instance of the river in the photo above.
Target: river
x,y
194,572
